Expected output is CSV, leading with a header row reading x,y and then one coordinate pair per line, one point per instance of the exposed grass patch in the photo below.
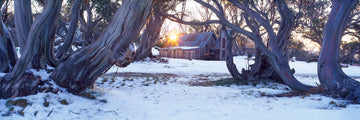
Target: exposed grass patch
x,y
19,102
156,80
221,82
11,104
228,82
64,102
341,105
303,94
90,94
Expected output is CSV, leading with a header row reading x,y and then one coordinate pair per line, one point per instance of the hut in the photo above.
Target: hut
x,y
202,46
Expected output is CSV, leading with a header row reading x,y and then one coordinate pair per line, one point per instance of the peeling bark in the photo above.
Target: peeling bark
x,y
26,85
83,67
18,82
45,55
329,71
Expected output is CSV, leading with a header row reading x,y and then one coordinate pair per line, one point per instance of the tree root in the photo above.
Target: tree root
x,y
315,90
27,85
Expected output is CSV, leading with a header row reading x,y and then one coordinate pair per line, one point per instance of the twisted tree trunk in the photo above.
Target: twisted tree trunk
x,y
70,34
229,55
149,36
4,53
277,60
19,82
23,21
45,55
329,71
83,67
262,67
287,25
7,50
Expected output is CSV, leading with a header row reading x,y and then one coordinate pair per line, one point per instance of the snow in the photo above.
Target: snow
x,y
163,97
184,47
2,74
303,68
154,51
181,67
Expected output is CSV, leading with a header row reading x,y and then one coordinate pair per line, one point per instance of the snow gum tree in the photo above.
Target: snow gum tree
x,y
19,82
329,71
23,21
152,30
94,16
7,52
75,9
80,69
275,55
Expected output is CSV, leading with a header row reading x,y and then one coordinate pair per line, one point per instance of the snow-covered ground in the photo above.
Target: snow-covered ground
x,y
170,97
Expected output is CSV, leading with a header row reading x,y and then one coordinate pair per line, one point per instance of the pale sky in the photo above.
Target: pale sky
x,y
193,8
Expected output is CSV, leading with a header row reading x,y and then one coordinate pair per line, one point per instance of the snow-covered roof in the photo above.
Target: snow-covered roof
x,y
181,48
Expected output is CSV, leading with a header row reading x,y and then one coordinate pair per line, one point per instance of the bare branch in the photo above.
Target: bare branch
x,y
178,20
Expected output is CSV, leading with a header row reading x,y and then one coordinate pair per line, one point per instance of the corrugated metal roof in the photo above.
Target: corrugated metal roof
x,y
196,39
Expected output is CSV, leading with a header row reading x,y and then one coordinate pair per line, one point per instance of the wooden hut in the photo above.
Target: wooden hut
x,y
203,46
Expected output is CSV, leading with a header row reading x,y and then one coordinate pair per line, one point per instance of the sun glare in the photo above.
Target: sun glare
x,y
173,37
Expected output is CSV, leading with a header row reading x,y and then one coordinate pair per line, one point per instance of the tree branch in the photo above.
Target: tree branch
x,y
178,20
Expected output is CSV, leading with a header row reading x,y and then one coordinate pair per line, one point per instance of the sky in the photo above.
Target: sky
x,y
193,8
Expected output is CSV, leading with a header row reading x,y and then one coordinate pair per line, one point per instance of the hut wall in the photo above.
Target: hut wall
x,y
182,54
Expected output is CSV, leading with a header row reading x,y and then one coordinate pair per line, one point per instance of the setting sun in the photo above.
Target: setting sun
x,y
173,37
